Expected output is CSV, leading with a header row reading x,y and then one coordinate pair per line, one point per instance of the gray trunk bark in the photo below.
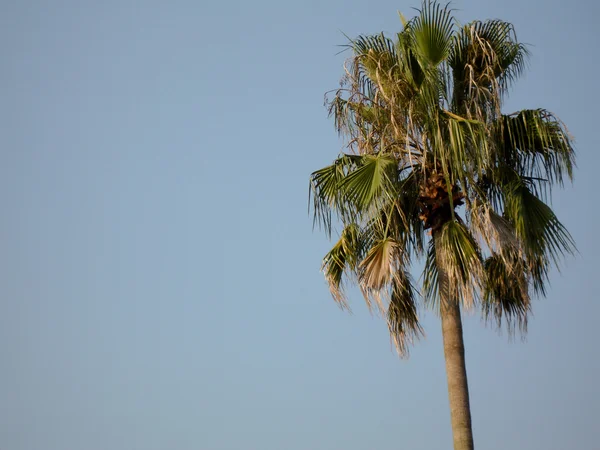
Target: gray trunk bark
x,y
456,372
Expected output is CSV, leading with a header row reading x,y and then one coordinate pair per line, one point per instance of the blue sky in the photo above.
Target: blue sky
x,y
159,276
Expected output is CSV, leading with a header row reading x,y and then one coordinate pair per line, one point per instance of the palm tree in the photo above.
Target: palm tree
x,y
436,172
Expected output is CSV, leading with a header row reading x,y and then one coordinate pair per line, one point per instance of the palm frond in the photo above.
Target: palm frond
x,y
543,237
374,67
408,63
341,258
506,294
398,217
458,258
432,31
510,55
366,121
464,147
431,282
402,318
485,59
373,179
325,190
492,229
376,270
538,146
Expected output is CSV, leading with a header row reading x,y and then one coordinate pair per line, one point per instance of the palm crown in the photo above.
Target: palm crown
x,y
435,171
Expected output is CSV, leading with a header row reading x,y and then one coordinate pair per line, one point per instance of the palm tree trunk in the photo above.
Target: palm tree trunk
x,y
456,372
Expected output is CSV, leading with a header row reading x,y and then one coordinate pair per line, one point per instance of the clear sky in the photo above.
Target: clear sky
x,y
159,276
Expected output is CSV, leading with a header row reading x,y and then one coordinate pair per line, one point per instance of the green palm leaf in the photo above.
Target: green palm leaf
x,y
544,238
506,294
431,282
432,30
458,258
538,147
373,179
325,189
402,318
342,257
